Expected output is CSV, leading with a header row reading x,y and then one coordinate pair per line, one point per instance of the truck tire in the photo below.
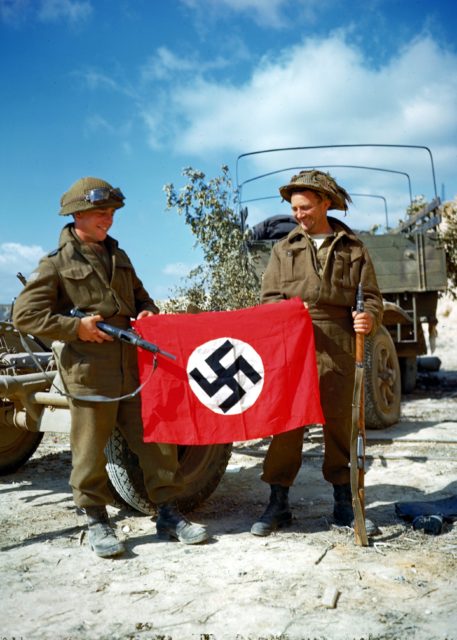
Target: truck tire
x,y
202,466
408,371
16,447
382,381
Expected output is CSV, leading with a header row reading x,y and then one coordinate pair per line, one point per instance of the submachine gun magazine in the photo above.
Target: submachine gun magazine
x,y
125,335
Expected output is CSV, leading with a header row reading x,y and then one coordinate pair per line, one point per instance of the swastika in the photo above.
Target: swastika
x,y
229,379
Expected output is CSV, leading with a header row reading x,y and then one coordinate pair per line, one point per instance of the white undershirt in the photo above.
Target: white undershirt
x,y
319,238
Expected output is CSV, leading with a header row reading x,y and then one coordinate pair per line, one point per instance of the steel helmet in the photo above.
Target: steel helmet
x,y
321,182
90,193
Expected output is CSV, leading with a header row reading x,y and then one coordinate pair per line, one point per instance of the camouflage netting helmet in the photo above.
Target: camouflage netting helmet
x,y
317,181
90,193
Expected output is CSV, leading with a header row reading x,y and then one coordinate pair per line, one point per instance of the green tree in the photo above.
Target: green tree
x,y
417,204
447,233
448,236
226,279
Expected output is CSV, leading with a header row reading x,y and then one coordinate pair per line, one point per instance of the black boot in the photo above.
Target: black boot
x,y
172,524
102,538
343,512
276,515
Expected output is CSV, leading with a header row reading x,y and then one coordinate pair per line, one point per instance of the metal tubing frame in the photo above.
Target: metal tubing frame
x,y
344,146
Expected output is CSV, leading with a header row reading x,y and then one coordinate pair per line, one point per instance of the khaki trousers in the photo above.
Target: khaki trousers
x,y
91,428
284,456
334,342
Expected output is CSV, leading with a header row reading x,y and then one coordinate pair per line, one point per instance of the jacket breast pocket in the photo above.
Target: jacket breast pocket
x,y
347,269
293,265
82,284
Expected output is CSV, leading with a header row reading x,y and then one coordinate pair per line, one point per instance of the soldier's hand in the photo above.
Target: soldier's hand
x,y
144,314
363,322
89,332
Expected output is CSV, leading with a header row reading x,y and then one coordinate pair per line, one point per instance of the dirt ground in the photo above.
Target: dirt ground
x,y
238,586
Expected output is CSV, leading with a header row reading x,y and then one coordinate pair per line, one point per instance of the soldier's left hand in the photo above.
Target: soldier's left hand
x,y
144,314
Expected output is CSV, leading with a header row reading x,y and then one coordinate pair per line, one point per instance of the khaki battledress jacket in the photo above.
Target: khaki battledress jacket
x,y
74,276
327,280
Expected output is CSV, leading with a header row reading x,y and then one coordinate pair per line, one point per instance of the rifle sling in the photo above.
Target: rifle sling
x,y
87,398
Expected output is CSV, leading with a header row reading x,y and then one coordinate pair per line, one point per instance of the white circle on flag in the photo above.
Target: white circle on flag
x,y
226,375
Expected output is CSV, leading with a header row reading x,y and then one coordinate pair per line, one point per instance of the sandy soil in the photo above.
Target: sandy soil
x,y
237,585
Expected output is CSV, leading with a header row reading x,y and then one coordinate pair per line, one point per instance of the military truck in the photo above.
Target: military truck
x,y
410,265
30,405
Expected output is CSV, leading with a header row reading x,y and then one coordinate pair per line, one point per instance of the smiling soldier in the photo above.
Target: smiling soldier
x,y
91,272
322,262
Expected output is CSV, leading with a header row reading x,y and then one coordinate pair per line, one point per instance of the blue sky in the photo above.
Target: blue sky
x,y
133,91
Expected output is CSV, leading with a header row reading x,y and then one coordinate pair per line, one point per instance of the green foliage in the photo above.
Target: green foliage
x,y
417,203
448,236
447,233
226,280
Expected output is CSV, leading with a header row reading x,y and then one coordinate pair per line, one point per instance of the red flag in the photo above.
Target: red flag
x,y
238,375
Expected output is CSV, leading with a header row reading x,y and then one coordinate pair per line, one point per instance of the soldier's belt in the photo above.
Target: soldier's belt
x,y
329,313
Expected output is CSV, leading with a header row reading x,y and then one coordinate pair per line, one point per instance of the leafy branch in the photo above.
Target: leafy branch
x,y
226,279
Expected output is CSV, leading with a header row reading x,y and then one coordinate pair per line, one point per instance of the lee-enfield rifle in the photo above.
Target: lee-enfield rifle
x,y
125,335
357,447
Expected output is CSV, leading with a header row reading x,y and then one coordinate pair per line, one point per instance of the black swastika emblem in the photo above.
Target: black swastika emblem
x,y
225,376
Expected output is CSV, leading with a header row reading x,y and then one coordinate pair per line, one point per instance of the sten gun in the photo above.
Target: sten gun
x,y
125,335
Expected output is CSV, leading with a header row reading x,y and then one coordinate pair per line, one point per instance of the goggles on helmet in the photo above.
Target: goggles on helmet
x,y
103,194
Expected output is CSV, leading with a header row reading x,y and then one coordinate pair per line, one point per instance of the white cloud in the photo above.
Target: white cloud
x,y
165,64
323,91
96,80
154,125
96,122
14,12
268,13
73,10
15,256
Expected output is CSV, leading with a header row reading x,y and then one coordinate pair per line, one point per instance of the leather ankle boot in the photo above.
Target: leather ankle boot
x,y
172,524
343,512
276,515
102,538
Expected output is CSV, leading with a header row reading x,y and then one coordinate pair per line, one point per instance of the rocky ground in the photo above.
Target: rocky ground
x,y
309,581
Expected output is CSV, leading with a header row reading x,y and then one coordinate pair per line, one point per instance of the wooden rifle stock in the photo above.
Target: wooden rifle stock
x,y
357,446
